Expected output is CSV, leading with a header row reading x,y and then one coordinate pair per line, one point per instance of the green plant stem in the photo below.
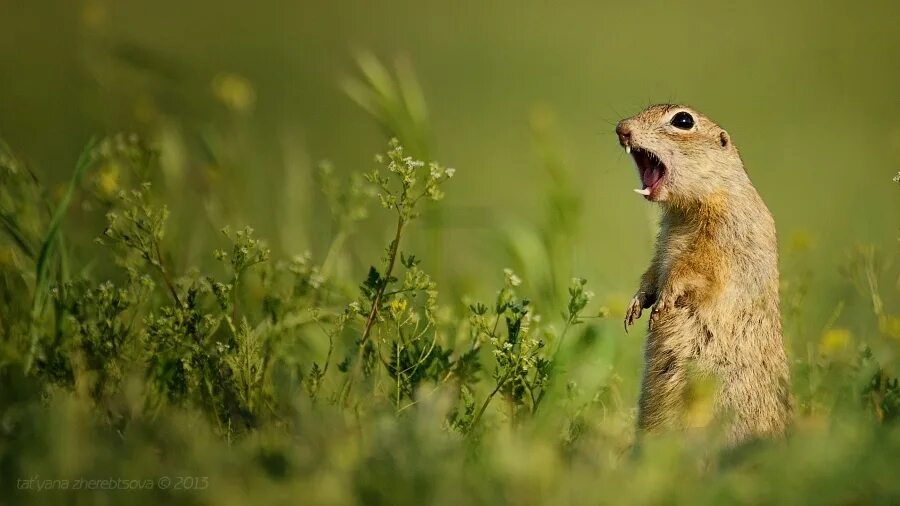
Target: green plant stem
x,y
376,301
315,394
562,337
397,347
165,275
487,401
537,402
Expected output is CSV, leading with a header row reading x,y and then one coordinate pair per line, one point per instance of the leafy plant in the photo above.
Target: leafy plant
x,y
279,371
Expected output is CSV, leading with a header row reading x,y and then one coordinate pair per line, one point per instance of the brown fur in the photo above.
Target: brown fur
x,y
713,281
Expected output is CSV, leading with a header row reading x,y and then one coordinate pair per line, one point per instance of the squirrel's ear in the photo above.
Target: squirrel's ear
x,y
723,138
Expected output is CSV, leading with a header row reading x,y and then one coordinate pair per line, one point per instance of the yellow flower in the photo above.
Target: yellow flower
x,y
397,307
108,180
234,91
834,340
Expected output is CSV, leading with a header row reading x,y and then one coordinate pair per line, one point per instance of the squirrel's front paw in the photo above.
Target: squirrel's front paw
x,y
665,304
634,312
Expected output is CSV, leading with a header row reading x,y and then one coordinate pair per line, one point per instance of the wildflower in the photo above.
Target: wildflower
x,y
108,180
316,281
511,277
834,340
397,307
235,92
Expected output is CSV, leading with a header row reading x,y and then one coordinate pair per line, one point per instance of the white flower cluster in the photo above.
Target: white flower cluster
x,y
511,278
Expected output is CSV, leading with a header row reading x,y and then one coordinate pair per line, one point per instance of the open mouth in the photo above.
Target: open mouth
x,y
650,169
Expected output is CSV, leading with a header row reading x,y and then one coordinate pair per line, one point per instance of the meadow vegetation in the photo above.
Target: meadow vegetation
x,y
334,379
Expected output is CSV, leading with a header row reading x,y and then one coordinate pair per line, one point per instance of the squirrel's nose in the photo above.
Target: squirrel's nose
x,y
624,133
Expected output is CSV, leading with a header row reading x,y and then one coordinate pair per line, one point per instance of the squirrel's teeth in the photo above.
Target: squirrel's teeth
x,y
628,149
645,192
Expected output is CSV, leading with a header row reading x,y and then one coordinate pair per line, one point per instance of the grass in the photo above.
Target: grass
x,y
255,375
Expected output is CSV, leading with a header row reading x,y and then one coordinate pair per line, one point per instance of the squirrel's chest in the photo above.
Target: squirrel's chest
x,y
673,247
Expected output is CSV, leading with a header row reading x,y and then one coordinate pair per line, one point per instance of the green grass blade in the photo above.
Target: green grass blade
x,y
50,244
13,231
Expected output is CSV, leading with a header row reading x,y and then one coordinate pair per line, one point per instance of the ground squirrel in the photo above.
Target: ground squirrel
x,y
713,281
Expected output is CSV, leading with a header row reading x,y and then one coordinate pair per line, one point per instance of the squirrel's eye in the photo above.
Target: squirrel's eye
x,y
682,120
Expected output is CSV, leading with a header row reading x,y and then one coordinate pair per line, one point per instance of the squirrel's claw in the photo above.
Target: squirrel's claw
x,y
654,316
633,313
665,304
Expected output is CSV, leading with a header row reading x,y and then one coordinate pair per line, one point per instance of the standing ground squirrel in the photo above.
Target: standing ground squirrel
x,y
713,280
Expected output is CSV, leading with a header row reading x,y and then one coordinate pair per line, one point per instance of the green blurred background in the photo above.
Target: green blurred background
x,y
243,100
808,91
